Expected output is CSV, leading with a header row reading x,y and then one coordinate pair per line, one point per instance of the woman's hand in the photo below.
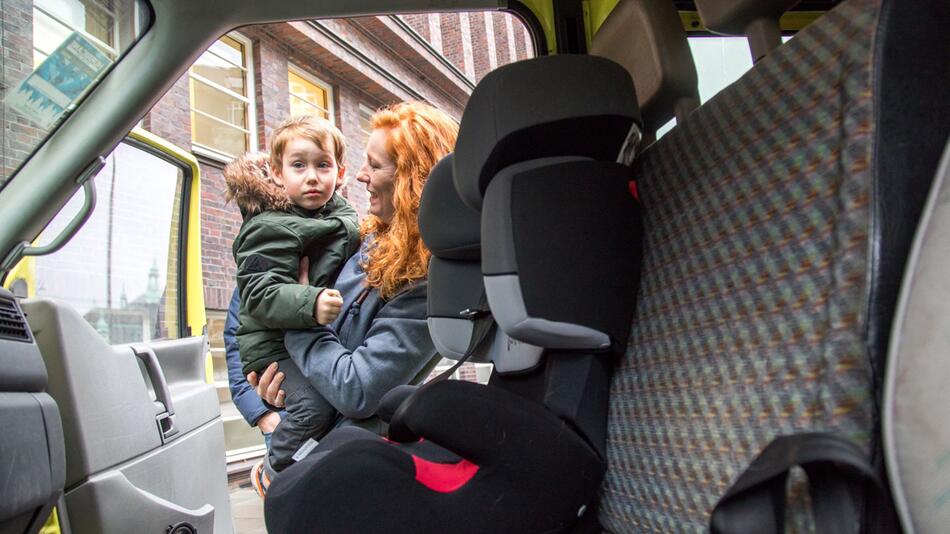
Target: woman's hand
x,y
268,385
268,422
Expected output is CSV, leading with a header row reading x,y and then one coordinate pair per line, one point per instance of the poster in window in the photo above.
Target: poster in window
x,y
44,95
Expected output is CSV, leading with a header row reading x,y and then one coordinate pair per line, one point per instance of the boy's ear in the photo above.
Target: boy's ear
x,y
341,176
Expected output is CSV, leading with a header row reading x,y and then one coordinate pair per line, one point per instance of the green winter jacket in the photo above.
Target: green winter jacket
x,y
267,251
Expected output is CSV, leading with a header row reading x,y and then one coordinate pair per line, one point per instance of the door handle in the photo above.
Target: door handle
x,y
165,420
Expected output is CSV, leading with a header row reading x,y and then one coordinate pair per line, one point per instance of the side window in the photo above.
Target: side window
x,y
719,62
54,52
121,271
222,106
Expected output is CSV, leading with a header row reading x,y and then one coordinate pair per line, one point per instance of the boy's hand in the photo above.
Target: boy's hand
x,y
328,306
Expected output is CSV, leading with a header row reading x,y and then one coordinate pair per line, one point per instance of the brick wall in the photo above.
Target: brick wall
x,y
19,135
452,39
481,52
419,23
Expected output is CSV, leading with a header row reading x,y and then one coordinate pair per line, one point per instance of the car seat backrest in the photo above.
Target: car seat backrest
x,y
540,171
769,228
647,38
544,174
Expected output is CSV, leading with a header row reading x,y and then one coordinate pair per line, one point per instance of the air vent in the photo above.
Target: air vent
x,y
12,323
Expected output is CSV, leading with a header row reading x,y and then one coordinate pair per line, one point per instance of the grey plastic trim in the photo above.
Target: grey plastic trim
x,y
919,332
129,505
450,336
507,305
510,355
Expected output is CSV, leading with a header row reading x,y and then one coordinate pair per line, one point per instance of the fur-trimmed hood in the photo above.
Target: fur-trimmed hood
x,y
251,185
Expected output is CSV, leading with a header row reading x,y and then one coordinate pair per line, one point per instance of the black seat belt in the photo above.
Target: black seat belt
x,y
840,481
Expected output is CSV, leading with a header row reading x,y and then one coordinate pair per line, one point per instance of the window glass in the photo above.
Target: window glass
x,y
307,95
54,51
719,62
366,128
121,270
221,105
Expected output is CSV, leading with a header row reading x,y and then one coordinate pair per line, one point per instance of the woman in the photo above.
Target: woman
x,y
380,340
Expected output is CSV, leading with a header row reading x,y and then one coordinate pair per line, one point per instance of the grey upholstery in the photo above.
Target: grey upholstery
x,y
915,399
758,20
769,249
647,38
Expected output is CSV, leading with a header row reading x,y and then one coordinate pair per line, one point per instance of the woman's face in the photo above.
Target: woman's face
x,y
378,172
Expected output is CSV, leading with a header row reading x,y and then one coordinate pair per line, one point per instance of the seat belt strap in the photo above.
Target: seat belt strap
x,y
839,479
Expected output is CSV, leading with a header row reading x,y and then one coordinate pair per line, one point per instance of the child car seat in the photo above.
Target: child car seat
x,y
524,453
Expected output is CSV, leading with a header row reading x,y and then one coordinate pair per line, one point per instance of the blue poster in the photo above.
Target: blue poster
x,y
44,95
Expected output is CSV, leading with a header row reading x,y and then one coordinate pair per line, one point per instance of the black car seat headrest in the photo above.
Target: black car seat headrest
x,y
758,20
648,39
566,105
537,152
450,229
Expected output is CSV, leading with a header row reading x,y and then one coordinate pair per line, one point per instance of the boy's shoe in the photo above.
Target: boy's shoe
x,y
259,479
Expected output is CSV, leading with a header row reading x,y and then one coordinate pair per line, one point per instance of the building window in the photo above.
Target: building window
x,y
366,127
309,95
222,109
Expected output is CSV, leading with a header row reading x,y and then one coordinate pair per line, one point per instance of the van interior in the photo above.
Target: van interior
x,y
734,325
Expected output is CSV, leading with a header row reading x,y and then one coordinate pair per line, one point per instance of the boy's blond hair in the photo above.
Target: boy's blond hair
x,y
319,130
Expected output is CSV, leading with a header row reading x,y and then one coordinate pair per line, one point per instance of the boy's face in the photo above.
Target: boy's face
x,y
309,174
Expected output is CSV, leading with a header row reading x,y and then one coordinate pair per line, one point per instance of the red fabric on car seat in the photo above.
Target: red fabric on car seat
x,y
444,478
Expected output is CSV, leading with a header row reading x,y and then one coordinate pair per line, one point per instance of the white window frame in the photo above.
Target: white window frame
x,y
331,109
112,51
363,108
251,131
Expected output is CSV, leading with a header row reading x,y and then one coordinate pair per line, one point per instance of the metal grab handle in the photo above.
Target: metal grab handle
x,y
166,423
24,248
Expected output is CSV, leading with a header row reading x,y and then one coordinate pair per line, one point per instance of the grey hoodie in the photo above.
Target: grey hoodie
x,y
372,347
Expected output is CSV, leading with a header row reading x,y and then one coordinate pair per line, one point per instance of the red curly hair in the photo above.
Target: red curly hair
x,y
419,136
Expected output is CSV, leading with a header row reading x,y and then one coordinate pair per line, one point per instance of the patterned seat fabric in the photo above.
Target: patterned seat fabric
x,y
752,314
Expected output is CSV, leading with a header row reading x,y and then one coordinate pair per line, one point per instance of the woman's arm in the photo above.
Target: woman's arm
x,y
396,348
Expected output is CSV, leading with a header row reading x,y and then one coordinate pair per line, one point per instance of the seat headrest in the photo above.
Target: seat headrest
x,y
449,228
565,105
648,39
758,20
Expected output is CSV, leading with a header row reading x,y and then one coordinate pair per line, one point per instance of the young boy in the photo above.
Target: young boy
x,y
291,210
